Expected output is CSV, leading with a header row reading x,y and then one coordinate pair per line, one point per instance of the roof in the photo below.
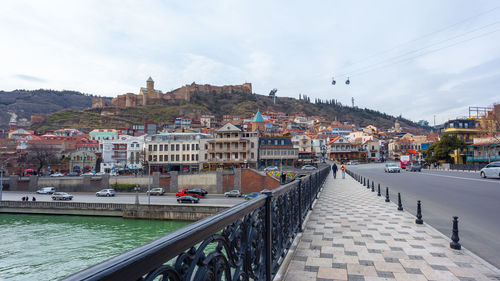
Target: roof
x,y
258,117
150,79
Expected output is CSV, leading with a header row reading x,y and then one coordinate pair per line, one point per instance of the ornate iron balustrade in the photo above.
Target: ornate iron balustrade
x,y
246,242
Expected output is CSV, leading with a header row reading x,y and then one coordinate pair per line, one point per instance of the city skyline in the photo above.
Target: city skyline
x,y
450,62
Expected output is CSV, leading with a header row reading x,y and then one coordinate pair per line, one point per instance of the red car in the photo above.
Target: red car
x,y
185,192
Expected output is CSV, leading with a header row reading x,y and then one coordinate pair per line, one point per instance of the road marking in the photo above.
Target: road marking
x,y
481,180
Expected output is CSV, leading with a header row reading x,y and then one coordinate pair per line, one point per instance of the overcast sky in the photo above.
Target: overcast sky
x,y
108,48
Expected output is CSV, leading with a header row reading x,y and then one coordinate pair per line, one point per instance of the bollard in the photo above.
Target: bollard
x,y
387,195
364,181
368,184
378,193
454,236
419,219
400,206
373,187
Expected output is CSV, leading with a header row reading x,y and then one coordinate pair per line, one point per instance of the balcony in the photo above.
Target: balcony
x,y
483,158
233,139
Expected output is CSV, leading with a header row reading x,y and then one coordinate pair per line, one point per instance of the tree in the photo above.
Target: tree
x,y
41,155
441,149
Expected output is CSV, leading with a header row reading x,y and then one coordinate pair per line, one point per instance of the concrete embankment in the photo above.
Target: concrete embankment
x,y
157,212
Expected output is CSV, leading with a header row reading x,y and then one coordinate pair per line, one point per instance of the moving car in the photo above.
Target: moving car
x,y
415,167
158,191
57,175
106,192
192,192
491,170
392,168
251,195
188,199
61,196
46,190
271,168
308,167
233,193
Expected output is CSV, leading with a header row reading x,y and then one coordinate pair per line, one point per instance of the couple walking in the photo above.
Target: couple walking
x,y
335,168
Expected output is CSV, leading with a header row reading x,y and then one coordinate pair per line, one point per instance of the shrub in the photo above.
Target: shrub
x,y
123,187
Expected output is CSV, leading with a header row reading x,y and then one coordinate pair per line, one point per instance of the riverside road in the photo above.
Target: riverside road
x,y
444,194
125,198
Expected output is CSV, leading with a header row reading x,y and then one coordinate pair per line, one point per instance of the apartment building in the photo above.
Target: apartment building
x,y
231,148
125,152
277,151
167,152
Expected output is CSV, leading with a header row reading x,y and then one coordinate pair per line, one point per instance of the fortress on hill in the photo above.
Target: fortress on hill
x,y
150,95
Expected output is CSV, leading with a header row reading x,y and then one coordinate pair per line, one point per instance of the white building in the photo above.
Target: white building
x,y
125,152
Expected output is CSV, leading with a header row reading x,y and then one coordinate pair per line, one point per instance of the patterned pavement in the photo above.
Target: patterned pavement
x,y
352,234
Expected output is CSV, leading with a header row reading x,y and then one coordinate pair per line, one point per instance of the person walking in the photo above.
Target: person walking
x,y
334,170
342,169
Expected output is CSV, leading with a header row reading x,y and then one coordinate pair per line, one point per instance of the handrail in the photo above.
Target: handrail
x,y
251,240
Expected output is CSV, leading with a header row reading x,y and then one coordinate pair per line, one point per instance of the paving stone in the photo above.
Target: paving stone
x,y
413,270
385,274
332,273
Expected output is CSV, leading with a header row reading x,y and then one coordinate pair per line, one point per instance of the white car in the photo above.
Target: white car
x,y
106,192
308,167
271,168
57,175
46,190
61,196
491,170
392,168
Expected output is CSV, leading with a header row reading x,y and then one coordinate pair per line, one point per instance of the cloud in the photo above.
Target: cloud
x,y
29,78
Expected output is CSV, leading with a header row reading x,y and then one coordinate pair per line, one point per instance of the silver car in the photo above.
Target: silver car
x,y
491,170
392,168
106,192
61,196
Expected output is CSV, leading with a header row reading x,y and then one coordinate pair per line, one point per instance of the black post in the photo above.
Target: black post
x,y
300,205
400,206
364,181
373,187
378,193
454,236
387,195
368,184
268,219
419,219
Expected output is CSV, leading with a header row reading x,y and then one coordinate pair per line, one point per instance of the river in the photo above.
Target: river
x,y
46,247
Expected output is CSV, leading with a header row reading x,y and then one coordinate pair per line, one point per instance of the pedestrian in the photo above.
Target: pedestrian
x,y
34,199
334,170
283,178
22,198
342,169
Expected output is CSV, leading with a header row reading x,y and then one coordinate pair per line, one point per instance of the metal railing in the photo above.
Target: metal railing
x,y
467,167
247,241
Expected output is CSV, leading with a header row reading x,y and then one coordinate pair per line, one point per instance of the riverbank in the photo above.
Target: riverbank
x,y
187,212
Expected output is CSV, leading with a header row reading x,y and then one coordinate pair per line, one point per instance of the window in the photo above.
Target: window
x,y
161,158
183,157
161,148
197,146
197,157
155,147
150,157
192,157
176,147
252,145
177,157
183,147
252,154
172,147
187,146
192,146
172,157
150,147
206,157
166,147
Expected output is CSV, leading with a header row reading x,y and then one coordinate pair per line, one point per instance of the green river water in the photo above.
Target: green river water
x,y
45,247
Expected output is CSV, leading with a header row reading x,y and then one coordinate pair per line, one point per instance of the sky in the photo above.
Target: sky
x,y
421,59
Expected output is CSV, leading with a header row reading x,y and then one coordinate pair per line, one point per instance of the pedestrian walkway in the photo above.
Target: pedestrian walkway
x,y
352,234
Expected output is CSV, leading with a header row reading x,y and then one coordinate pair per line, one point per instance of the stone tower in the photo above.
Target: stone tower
x,y
150,84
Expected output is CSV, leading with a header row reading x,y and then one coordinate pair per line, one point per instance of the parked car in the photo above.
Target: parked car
x,y
188,199
271,168
414,168
199,191
61,196
73,174
492,170
88,174
99,174
233,193
106,192
308,167
392,168
158,191
57,175
251,195
46,190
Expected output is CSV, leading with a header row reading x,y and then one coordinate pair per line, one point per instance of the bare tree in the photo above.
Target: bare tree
x,y
41,155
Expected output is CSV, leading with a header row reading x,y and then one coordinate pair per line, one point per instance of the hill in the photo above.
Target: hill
x,y
23,103
218,104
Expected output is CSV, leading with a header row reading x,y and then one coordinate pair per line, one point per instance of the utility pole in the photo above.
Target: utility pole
x,y
352,99
434,120
149,183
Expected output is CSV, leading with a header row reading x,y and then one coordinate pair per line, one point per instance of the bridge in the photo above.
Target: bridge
x,y
247,241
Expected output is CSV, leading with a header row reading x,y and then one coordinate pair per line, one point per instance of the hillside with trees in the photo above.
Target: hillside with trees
x,y
24,103
219,104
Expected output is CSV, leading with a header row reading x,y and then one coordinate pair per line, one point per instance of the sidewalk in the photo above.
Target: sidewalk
x,y
352,234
